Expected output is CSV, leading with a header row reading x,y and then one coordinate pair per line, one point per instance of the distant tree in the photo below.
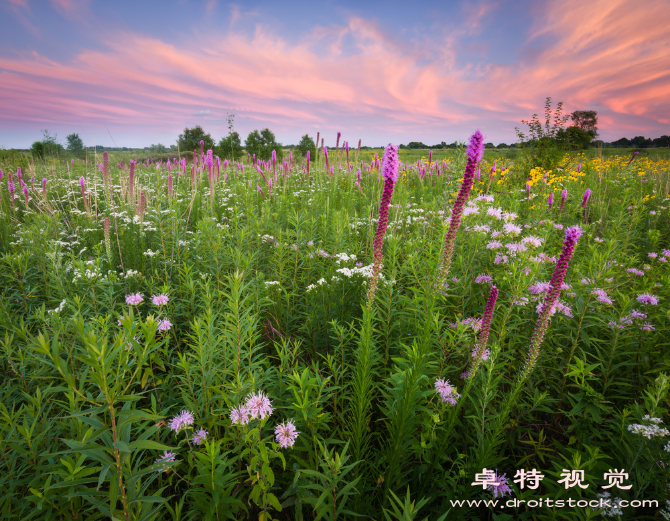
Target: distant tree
x,y
586,120
416,144
306,143
160,148
502,145
49,146
37,149
575,138
190,140
640,142
230,147
663,141
262,144
621,143
74,143
489,145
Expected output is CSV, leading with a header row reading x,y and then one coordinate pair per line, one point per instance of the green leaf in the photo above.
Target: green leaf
x,y
148,444
122,446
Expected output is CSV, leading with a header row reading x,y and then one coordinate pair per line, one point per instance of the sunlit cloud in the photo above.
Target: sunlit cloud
x,y
357,75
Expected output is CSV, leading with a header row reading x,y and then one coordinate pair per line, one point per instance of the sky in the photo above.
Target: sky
x,y
135,73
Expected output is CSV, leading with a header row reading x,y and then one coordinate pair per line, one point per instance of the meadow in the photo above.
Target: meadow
x,y
386,336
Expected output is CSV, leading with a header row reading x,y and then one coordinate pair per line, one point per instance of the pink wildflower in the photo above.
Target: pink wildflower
x,y
182,421
134,299
286,434
446,391
160,300
258,406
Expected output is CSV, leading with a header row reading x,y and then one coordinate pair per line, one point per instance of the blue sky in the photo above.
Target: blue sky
x,y
136,73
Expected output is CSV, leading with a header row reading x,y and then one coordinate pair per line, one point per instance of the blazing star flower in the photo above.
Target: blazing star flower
x,y
550,201
390,173
474,152
134,299
286,434
564,195
585,200
258,406
200,436
182,421
446,391
160,300
647,298
572,234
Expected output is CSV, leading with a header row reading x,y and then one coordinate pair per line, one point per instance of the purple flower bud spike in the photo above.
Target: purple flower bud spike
x,y
572,234
390,172
475,152
564,195
585,200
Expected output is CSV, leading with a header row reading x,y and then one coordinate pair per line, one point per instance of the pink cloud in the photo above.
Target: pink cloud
x,y
604,55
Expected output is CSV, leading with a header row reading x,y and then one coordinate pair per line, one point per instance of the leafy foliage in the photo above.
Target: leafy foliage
x,y
115,405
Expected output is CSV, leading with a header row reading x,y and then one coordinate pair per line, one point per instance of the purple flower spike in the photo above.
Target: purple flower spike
x,y
44,188
548,307
550,200
82,184
105,166
390,173
564,195
585,200
633,157
527,190
485,328
475,152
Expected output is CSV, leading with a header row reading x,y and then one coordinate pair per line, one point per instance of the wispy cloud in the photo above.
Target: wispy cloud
x,y
603,55
210,5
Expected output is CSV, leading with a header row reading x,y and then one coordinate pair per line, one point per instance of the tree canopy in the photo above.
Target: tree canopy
x,y
190,140
230,147
586,120
74,143
306,143
262,144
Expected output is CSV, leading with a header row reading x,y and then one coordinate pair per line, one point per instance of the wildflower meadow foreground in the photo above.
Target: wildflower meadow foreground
x,y
335,338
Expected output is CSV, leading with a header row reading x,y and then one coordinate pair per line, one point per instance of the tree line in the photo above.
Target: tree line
x,y
579,135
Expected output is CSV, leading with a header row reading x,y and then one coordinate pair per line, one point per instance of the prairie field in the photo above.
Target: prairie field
x,y
295,340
